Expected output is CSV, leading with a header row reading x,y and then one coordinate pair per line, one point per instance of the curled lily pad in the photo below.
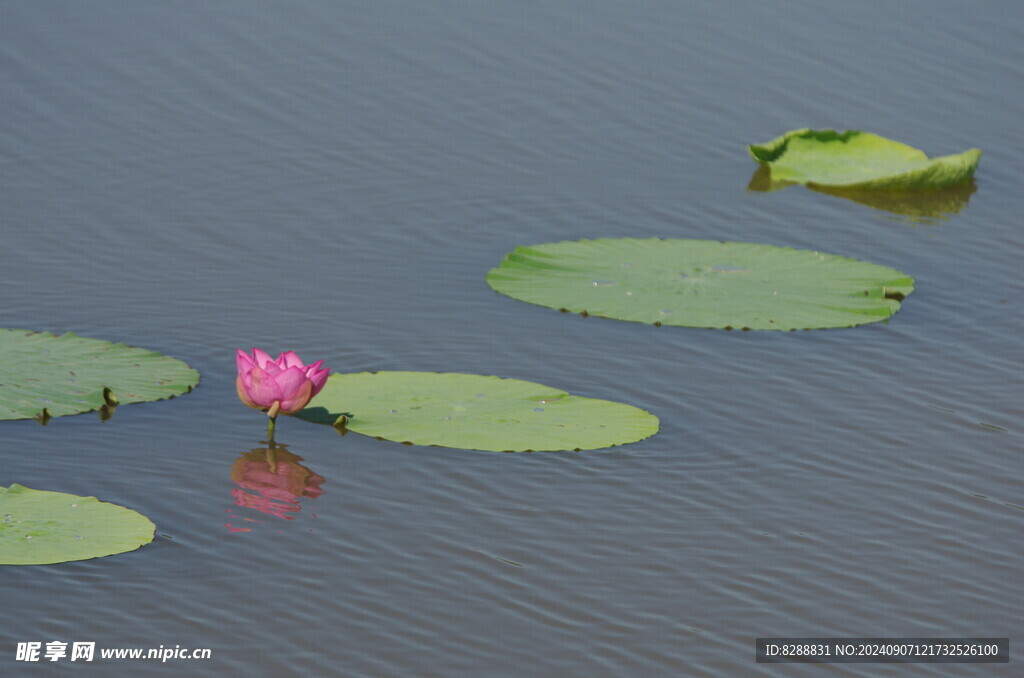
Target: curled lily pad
x,y
475,412
859,160
39,527
45,375
702,283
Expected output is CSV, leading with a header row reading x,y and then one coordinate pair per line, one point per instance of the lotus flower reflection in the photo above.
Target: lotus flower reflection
x,y
271,480
284,384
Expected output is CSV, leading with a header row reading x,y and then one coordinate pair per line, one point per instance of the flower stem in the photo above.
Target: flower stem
x,y
272,414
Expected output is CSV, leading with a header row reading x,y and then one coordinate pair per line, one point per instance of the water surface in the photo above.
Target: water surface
x,y
337,178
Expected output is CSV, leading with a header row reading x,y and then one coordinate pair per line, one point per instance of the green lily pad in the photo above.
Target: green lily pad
x,y
475,412
44,375
39,527
859,160
702,283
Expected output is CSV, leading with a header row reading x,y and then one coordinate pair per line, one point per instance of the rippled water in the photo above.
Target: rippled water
x,y
337,177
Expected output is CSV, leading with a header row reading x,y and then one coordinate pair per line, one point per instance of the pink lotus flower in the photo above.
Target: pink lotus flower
x,y
282,385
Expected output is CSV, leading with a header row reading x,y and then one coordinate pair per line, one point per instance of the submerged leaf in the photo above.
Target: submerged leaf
x,y
859,160
43,375
39,527
702,283
476,412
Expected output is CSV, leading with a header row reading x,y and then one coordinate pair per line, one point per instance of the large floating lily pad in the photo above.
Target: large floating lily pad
x,y
859,160
44,375
475,412
702,283
39,527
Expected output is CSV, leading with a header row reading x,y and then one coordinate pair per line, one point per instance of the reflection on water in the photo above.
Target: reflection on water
x,y
918,205
762,181
935,203
107,411
271,480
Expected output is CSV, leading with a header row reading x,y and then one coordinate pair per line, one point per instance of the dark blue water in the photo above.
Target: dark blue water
x,y
337,178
